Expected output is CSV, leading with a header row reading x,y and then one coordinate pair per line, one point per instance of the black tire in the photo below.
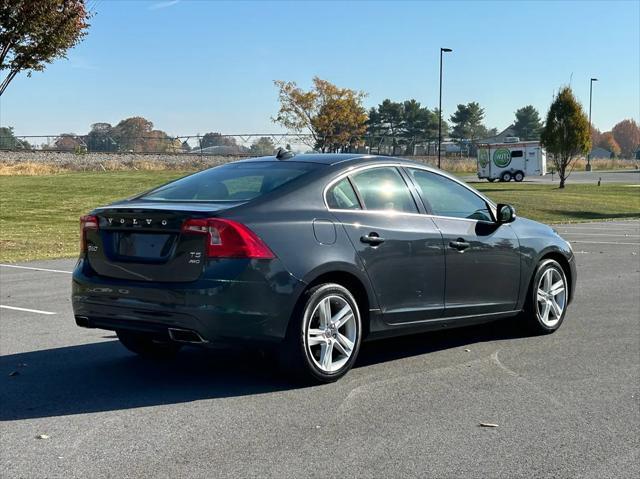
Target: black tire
x,y
491,180
533,314
147,346
506,177
519,176
298,359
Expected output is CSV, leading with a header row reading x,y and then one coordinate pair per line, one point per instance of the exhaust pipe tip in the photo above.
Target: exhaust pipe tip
x,y
83,321
186,336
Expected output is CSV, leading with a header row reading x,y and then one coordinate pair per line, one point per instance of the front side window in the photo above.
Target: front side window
x,y
445,197
384,189
516,154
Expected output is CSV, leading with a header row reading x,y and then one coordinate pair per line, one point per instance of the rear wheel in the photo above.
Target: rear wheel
x,y
147,346
548,296
324,335
519,176
506,176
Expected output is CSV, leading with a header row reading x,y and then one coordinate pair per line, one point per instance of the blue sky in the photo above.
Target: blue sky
x,y
198,66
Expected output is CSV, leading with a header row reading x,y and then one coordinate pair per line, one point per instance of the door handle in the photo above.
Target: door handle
x,y
459,244
372,238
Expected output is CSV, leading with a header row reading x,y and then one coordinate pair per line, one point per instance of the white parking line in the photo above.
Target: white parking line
x,y
604,242
594,228
36,269
25,309
599,234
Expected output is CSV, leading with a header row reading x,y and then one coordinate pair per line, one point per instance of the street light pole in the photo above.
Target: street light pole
x,y
442,50
588,168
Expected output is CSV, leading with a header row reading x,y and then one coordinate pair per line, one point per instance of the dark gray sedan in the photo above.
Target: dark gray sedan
x,y
311,255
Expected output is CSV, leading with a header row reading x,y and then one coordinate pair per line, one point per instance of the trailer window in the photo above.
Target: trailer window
x,y
516,154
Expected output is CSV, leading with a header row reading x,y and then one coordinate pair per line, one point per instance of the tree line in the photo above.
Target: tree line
x,y
337,121
137,135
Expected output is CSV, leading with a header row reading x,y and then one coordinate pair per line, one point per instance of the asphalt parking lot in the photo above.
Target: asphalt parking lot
x,y
566,405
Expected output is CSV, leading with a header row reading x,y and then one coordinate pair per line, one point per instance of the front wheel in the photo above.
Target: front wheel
x,y
519,176
548,297
147,346
324,335
506,177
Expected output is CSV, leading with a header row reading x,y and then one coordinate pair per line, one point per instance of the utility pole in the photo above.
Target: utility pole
x,y
588,167
442,50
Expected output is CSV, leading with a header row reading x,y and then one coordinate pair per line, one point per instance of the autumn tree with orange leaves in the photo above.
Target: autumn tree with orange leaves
x,y
333,116
627,135
34,33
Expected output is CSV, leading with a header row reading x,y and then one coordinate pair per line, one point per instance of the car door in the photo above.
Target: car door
x,y
402,251
482,257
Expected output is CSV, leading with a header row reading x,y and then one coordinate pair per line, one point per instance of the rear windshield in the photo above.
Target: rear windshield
x,y
232,182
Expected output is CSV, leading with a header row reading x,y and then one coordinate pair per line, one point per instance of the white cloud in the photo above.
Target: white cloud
x,y
165,4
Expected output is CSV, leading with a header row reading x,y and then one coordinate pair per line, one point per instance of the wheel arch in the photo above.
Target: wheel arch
x,y
357,286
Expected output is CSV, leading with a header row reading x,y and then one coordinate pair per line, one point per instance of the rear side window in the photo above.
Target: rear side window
x,y
384,189
342,197
232,182
448,198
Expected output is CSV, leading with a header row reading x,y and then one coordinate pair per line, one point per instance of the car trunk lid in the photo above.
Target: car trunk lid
x,y
144,241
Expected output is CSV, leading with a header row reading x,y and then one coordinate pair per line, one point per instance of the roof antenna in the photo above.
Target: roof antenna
x,y
283,154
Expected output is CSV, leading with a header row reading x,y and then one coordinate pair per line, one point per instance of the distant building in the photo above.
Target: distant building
x,y
598,152
500,137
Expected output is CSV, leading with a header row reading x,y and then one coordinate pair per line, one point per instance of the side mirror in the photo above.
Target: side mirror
x,y
505,213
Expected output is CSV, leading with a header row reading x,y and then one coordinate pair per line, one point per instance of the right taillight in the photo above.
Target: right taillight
x,y
228,239
87,222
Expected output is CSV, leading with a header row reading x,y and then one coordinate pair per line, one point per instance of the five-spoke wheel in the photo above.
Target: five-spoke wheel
x,y
324,334
547,303
551,296
331,333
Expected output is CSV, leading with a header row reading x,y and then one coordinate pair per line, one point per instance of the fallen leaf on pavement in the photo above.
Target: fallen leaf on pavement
x,y
488,424
42,436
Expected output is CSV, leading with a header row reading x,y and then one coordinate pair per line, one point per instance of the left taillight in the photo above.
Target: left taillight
x,y
228,239
87,222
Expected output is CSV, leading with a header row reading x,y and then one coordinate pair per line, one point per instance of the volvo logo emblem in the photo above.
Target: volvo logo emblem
x,y
136,221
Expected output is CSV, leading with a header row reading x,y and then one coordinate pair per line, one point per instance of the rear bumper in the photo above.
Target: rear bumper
x,y
254,303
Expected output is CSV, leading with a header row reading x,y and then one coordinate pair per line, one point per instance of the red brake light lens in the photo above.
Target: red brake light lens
x,y
87,222
228,239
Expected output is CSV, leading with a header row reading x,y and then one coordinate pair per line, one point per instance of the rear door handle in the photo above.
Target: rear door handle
x,y
372,238
459,244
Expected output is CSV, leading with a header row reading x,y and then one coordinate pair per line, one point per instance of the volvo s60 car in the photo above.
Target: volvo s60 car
x,y
312,254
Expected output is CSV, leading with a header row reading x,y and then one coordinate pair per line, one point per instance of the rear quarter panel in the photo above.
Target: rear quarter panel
x,y
286,224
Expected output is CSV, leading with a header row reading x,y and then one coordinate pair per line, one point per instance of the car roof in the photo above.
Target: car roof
x,y
323,158
335,158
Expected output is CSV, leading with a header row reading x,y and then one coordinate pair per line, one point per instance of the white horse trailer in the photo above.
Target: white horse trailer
x,y
512,160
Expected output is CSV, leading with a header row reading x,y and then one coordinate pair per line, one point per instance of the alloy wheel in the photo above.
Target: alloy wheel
x,y
551,297
331,333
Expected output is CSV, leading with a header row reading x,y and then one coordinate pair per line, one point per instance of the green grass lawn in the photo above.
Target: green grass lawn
x,y
39,214
574,203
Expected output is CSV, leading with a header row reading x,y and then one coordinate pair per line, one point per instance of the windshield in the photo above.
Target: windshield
x,y
231,182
